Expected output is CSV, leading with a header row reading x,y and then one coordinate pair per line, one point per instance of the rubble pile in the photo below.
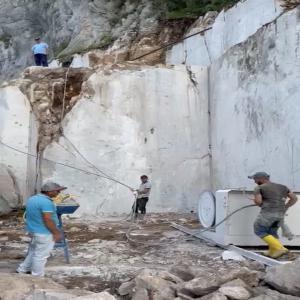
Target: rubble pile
x,y
180,282
24,287
52,93
170,265
187,283
290,4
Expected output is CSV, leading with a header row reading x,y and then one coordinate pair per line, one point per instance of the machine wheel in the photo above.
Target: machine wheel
x,y
207,209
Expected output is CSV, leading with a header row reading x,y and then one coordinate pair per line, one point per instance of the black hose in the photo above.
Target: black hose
x,y
227,217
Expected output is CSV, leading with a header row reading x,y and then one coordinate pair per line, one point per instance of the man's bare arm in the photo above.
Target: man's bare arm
x,y
47,218
258,199
292,200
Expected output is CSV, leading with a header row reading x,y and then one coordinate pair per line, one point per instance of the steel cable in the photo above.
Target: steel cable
x,y
59,163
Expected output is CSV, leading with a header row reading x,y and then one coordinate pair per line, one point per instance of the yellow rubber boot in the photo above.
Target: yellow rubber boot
x,y
276,249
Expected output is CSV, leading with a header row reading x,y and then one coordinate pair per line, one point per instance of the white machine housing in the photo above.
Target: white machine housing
x,y
238,229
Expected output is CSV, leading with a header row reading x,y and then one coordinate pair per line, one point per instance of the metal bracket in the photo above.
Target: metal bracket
x,y
246,253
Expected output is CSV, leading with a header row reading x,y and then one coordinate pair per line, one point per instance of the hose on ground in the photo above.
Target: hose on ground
x,y
129,238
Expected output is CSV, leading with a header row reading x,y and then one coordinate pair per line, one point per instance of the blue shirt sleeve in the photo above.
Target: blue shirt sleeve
x,y
47,206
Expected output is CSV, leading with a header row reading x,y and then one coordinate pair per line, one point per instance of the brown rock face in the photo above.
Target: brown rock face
x,y
52,93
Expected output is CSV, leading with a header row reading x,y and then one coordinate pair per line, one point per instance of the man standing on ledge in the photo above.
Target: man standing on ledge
x,y
40,51
271,197
42,225
143,195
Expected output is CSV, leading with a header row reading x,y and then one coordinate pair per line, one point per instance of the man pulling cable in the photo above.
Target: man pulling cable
x,y
142,195
271,198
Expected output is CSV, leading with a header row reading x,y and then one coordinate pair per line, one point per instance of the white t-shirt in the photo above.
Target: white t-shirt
x,y
143,186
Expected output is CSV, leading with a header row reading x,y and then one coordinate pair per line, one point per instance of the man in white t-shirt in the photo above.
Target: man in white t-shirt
x,y
143,195
40,52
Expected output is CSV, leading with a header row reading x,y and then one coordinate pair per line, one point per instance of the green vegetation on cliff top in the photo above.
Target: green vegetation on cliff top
x,y
193,8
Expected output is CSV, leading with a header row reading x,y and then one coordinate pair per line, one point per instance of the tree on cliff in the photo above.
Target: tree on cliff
x,y
193,8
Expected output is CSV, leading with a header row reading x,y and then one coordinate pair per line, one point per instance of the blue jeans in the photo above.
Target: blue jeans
x,y
38,251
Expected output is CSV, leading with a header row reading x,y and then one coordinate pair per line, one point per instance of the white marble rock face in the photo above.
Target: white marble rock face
x,y
149,121
230,28
18,129
155,121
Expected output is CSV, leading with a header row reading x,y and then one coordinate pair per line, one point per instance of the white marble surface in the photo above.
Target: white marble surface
x,y
230,28
151,121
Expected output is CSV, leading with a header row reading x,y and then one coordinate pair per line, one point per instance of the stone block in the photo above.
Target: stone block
x,y
183,272
235,292
274,295
214,296
10,195
126,288
285,278
140,294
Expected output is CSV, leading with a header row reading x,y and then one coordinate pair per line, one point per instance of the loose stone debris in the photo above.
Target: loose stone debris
x,y
169,265
285,278
232,255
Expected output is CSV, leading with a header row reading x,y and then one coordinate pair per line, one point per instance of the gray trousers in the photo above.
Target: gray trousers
x,y
268,225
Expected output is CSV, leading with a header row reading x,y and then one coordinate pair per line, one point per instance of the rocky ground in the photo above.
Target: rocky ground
x,y
158,262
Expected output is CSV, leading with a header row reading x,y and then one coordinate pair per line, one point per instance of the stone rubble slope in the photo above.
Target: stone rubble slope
x,y
239,284
179,268
119,30
26,287
285,278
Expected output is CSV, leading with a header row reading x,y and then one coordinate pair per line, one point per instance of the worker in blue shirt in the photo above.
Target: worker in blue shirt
x,y
42,226
40,52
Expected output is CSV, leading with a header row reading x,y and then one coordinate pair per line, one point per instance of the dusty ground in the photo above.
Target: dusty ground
x,y
101,255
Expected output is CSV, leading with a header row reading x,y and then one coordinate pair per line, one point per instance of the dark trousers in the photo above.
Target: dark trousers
x,y
141,205
41,60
